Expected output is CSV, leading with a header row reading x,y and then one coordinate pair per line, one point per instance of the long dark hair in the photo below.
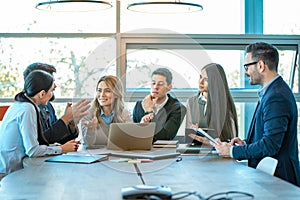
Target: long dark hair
x,y
35,82
220,105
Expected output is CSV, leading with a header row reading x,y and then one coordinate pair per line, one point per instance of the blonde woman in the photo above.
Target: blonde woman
x,y
107,108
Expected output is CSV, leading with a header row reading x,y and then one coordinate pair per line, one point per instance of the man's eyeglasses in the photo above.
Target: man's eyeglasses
x,y
248,64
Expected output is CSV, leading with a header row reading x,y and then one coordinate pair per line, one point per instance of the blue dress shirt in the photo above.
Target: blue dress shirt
x,y
18,137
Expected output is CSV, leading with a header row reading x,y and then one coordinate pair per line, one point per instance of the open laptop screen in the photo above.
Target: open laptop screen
x,y
130,136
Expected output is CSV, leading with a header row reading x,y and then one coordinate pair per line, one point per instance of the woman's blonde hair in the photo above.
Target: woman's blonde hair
x,y
115,85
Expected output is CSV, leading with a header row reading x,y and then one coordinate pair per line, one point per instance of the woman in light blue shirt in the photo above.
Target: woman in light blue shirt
x,y
21,132
108,107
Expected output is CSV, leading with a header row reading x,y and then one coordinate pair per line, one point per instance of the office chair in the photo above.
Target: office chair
x,y
3,110
267,165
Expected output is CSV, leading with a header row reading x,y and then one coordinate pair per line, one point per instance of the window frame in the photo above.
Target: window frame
x,y
209,41
133,40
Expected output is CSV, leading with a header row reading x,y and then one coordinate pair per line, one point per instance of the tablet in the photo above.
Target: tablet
x,y
201,132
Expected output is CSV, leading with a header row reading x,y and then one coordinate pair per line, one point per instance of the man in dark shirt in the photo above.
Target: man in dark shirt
x,y
159,107
63,129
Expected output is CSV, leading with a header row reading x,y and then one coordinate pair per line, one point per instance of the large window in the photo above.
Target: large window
x,y
140,63
185,56
79,62
281,17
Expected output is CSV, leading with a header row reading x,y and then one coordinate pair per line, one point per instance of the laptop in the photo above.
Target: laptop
x,y
130,136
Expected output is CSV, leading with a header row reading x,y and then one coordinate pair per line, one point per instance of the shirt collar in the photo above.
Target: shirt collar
x,y
201,97
261,92
158,107
107,118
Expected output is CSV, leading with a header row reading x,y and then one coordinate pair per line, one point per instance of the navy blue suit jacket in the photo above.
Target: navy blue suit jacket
x,y
273,132
55,130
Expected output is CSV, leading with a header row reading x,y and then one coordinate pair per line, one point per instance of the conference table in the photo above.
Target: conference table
x,y
204,173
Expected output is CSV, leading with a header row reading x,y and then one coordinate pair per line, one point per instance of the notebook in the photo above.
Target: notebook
x,y
165,144
77,158
130,136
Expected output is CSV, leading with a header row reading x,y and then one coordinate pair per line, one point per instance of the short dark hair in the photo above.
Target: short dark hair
x,y
39,66
164,72
265,52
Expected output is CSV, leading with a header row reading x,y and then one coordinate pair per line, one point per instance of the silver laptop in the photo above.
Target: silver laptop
x,y
130,136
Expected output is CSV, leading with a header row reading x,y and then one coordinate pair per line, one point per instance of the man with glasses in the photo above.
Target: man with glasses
x,y
160,107
273,129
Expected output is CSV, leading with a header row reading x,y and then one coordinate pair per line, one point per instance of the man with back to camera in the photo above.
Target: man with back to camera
x,y
63,129
273,129
160,107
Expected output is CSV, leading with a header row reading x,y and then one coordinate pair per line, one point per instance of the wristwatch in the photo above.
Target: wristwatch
x,y
72,123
